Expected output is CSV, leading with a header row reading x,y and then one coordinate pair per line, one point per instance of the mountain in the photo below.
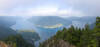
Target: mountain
x,y
54,20
88,19
23,25
5,23
81,21
47,26
26,29
49,20
39,28
76,37
8,21
5,32
15,41
12,25
29,35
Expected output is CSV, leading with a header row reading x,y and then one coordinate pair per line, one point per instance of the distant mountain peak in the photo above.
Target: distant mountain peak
x,y
23,25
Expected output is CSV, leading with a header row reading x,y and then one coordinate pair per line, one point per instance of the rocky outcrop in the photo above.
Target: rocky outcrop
x,y
56,43
62,43
2,44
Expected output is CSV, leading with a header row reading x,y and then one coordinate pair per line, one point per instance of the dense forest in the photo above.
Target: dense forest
x,y
75,37
67,37
15,41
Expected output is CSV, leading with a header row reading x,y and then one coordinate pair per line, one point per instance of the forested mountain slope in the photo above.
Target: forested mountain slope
x,y
75,37
15,41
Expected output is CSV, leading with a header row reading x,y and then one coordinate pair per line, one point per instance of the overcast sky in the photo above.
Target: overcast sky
x,y
50,8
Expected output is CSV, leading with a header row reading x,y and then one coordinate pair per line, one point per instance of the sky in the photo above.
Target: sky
x,y
66,8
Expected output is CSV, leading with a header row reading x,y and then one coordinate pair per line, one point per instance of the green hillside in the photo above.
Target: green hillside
x,y
29,35
16,41
75,37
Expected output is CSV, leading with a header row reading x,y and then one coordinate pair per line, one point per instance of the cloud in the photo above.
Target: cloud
x,y
44,11
50,7
5,4
90,7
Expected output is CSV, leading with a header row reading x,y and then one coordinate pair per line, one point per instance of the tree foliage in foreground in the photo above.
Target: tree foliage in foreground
x,y
16,41
79,37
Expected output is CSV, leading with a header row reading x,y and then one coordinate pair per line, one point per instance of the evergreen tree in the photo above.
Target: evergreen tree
x,y
79,37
